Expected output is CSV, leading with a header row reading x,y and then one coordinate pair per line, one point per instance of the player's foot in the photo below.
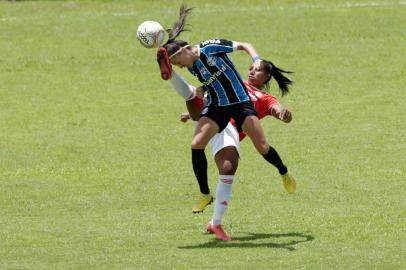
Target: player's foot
x,y
164,64
289,183
218,231
204,200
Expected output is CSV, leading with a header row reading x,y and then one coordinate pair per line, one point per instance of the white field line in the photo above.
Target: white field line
x,y
6,19
294,6
373,4
249,9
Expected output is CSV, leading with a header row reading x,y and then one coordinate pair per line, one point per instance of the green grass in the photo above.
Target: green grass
x,y
95,168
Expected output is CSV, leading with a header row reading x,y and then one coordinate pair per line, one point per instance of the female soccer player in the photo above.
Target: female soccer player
x,y
225,146
226,93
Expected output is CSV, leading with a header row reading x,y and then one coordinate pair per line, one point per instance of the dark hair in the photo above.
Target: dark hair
x,y
175,46
277,73
178,27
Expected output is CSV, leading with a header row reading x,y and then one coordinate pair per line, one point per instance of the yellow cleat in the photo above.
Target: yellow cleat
x,y
289,183
204,201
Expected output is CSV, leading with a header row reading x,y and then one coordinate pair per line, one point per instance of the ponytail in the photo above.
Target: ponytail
x,y
179,26
278,74
174,46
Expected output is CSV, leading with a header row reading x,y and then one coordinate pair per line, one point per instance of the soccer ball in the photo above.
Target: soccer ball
x,y
151,34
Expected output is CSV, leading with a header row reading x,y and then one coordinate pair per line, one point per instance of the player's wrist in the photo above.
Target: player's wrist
x,y
276,110
255,58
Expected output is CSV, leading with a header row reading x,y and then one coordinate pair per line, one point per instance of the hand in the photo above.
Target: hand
x,y
184,117
285,115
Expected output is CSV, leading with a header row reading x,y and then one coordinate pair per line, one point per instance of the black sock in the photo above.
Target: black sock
x,y
273,158
199,162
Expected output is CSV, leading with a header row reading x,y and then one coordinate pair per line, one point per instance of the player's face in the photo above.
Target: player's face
x,y
257,76
182,59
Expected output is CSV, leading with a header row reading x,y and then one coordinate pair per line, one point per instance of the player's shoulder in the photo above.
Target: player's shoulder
x,y
214,41
259,94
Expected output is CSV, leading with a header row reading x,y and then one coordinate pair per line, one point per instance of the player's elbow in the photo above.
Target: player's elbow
x,y
243,45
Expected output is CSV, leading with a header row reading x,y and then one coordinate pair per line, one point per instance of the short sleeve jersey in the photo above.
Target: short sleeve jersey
x,y
263,101
218,74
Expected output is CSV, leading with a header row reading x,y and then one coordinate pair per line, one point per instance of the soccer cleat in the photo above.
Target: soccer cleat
x,y
204,201
218,231
164,64
289,183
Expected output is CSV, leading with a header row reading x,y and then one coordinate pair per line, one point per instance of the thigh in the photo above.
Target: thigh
x,y
242,111
252,127
205,130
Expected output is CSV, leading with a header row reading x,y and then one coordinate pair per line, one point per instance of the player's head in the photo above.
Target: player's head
x,y
260,77
180,54
257,76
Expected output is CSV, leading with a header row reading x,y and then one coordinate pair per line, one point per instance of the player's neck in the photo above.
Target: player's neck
x,y
253,86
195,53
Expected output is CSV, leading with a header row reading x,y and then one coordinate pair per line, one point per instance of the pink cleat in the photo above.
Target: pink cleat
x,y
164,64
218,231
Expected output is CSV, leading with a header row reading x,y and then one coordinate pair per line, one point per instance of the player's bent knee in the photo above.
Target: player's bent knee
x,y
228,168
227,160
262,148
198,145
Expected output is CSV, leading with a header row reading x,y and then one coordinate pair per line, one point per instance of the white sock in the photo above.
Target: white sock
x,y
184,89
223,196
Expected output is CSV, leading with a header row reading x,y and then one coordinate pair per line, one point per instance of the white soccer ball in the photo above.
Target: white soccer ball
x,y
151,34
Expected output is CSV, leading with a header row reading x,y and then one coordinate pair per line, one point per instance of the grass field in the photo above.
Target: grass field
x,y
95,168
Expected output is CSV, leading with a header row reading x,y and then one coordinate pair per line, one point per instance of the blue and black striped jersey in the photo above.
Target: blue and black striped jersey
x,y
218,74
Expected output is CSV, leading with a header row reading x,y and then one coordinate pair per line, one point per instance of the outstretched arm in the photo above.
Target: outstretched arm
x,y
248,48
281,113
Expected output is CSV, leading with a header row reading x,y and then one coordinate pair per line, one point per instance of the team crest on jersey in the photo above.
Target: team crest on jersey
x,y
211,61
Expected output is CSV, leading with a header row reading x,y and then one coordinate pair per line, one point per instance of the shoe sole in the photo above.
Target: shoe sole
x,y
165,71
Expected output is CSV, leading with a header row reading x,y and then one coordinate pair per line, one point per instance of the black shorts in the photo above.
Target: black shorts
x,y
222,114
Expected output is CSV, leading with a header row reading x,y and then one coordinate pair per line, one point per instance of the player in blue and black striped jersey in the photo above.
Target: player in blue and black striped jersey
x,y
226,94
218,74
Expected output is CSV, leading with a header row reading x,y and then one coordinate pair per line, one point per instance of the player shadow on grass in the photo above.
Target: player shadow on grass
x,y
249,241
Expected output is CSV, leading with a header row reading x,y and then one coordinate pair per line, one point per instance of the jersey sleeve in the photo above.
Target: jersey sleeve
x,y
263,101
217,46
269,102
